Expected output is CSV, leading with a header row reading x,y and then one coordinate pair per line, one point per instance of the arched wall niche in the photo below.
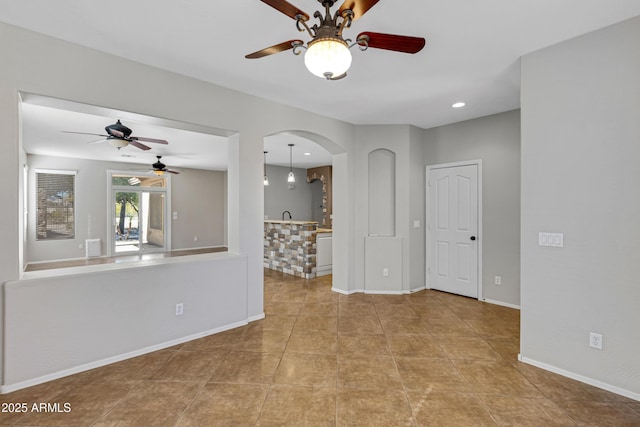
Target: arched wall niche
x,y
382,193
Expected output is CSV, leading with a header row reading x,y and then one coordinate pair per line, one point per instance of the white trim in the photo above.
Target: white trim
x,y
376,292
480,238
343,292
581,378
256,317
503,304
418,289
8,388
56,171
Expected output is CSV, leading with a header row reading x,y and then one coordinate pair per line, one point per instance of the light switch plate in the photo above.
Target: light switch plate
x,y
551,239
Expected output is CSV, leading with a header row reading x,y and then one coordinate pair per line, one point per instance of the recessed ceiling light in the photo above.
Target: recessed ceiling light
x,y
459,104
307,154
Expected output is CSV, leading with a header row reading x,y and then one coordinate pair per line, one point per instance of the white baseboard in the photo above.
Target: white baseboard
x,y
581,378
377,292
343,292
8,388
255,318
414,290
504,304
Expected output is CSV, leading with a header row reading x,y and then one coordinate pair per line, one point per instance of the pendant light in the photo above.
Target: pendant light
x,y
291,179
266,180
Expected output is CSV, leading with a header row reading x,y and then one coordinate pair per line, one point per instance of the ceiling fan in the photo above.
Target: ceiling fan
x,y
160,168
327,53
118,135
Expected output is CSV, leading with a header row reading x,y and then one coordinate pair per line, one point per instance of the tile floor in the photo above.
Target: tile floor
x,y
324,359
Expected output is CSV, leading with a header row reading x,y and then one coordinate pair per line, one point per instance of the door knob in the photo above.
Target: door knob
x,y
473,237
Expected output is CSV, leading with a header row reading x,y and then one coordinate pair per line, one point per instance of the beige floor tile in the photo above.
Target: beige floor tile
x,y
590,413
313,370
314,343
246,368
319,309
225,405
450,326
305,406
519,411
404,326
396,312
356,309
431,375
370,345
274,322
371,408
188,366
282,308
265,341
221,342
368,372
151,403
415,346
469,348
312,324
496,378
360,325
449,409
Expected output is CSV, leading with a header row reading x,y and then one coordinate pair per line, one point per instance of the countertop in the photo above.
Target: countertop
x,y
288,221
324,230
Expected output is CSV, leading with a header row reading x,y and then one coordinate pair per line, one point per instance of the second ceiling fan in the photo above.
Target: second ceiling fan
x,y
327,54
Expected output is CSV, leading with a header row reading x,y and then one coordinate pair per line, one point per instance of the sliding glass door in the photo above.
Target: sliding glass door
x,y
139,214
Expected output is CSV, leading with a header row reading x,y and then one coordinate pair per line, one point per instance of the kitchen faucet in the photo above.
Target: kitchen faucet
x,y
286,212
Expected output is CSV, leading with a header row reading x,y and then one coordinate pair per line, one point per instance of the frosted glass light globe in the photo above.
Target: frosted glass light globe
x,y
328,58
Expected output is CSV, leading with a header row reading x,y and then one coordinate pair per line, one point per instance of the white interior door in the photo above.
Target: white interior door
x,y
453,229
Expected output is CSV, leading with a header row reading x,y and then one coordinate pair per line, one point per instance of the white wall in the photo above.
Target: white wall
x,y
197,195
580,175
42,65
105,315
403,141
278,197
496,140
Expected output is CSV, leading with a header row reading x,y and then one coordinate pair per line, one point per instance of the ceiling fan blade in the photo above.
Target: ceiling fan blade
x,y
95,142
139,145
85,133
287,8
273,49
393,42
172,171
359,7
157,141
116,133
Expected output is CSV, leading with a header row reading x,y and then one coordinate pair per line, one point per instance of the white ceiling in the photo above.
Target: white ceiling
x,y
472,53
45,121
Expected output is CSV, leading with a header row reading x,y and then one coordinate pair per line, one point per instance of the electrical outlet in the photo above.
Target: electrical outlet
x,y
179,309
498,280
385,272
595,340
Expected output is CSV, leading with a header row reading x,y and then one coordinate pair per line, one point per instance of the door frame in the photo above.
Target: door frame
x,y
428,250
111,190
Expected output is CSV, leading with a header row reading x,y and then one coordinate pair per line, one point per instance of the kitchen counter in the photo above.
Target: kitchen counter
x,y
289,221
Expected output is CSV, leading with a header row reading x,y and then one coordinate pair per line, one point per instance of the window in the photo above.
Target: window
x,y
55,205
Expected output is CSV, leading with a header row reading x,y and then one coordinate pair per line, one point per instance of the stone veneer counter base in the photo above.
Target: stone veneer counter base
x,y
290,247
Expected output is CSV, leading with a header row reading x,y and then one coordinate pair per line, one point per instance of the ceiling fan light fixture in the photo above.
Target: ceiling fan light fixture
x,y
118,143
327,57
159,172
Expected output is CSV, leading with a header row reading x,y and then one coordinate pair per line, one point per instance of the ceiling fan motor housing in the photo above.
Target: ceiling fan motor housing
x,y
119,128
